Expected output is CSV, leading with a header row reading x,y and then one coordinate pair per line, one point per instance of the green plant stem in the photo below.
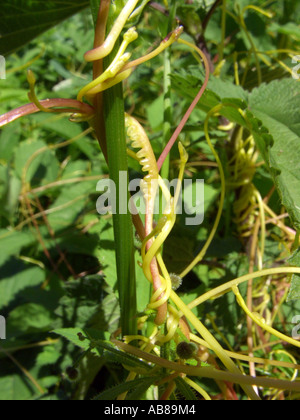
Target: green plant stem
x,y
208,372
117,161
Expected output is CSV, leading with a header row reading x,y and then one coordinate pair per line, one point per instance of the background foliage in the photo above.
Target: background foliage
x,y
57,262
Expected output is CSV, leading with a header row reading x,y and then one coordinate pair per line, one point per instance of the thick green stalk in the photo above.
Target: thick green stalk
x,y
114,128
117,162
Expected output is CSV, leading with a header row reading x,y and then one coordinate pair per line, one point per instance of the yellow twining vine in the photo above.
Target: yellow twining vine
x,y
172,313
151,252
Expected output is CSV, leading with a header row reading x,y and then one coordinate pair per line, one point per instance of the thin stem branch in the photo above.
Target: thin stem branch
x,y
187,115
57,105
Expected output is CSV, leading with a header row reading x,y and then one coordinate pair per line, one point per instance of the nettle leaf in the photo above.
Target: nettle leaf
x,y
81,301
139,386
11,242
29,318
106,251
93,340
14,388
36,161
23,20
294,293
70,203
72,335
185,390
63,127
188,83
16,276
277,106
106,256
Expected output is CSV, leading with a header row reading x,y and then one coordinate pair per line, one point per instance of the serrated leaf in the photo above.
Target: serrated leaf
x,y
71,334
67,130
94,340
11,242
185,390
294,292
139,385
14,388
28,319
16,276
69,204
277,106
112,353
141,388
106,252
82,301
37,161
218,90
48,356
9,139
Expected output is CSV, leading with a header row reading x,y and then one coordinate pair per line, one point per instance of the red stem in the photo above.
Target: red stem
x,y
70,105
184,120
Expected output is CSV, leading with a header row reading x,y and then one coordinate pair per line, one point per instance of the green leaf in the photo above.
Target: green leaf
x,y
15,277
48,356
69,204
189,82
23,20
277,106
106,256
14,388
106,251
81,301
28,319
10,187
71,334
67,130
185,390
99,346
290,29
9,139
36,161
11,242
139,387
294,293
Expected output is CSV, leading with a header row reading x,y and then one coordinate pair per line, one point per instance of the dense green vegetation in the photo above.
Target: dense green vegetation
x,y
70,278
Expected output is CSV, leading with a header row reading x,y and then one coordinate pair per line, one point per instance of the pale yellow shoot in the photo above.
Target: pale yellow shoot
x,y
116,66
106,48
